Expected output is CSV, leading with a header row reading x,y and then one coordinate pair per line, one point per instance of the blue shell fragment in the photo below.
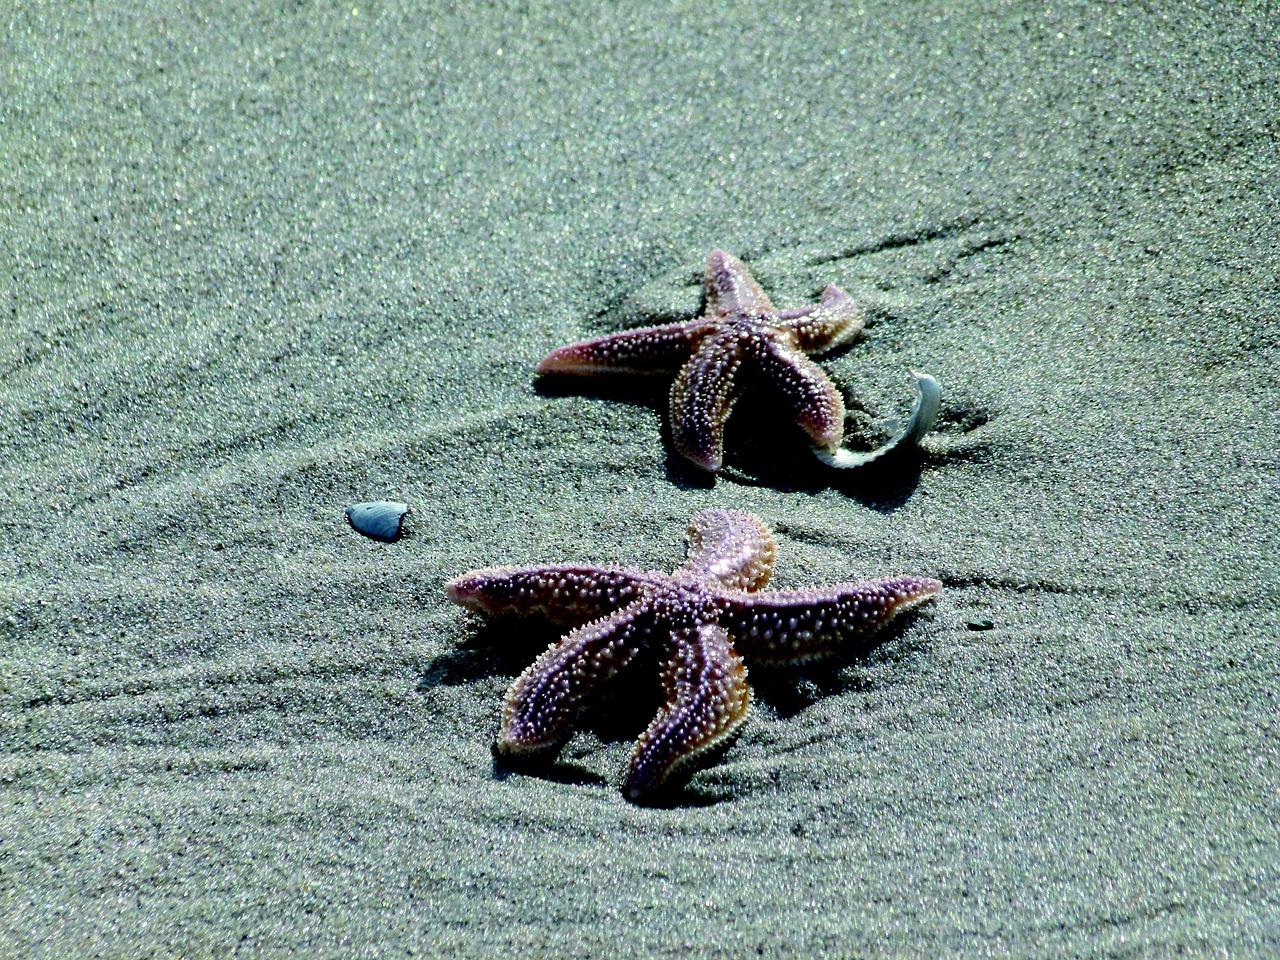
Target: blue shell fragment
x,y
378,519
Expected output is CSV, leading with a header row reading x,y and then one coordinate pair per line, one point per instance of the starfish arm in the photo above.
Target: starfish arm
x,y
795,625
736,549
812,399
827,325
544,700
570,595
704,392
731,290
707,699
647,350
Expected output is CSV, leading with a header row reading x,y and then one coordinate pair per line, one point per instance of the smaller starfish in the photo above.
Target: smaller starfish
x,y
704,618
741,338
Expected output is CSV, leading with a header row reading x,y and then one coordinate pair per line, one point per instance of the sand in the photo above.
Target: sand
x,y
263,261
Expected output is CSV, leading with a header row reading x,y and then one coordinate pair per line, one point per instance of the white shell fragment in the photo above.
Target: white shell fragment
x,y
378,519
924,414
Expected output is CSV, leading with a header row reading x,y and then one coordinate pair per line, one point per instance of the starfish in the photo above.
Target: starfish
x,y
703,619
741,338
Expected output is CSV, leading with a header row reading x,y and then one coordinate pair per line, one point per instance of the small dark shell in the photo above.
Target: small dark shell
x,y
379,519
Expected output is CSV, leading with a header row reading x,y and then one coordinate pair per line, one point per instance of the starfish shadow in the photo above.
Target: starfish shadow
x,y
489,651
640,390
637,389
764,448
555,770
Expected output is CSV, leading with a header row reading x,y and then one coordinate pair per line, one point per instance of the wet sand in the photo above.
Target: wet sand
x,y
259,265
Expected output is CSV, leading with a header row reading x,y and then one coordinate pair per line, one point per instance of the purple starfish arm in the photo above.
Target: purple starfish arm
x,y
647,350
811,398
792,625
544,700
701,397
707,698
731,290
735,549
568,594
827,325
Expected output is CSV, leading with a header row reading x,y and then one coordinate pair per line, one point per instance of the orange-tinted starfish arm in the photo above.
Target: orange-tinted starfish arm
x,y
811,398
828,325
701,397
731,290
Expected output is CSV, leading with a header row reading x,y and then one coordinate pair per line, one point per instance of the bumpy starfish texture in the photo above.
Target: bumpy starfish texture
x,y
739,339
703,618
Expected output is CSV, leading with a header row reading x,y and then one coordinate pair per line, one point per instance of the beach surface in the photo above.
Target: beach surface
x,y
262,261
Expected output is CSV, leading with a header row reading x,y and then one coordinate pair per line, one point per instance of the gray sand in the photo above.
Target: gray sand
x,y
260,263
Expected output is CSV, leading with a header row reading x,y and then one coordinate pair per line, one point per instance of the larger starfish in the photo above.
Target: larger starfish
x,y
740,338
704,617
